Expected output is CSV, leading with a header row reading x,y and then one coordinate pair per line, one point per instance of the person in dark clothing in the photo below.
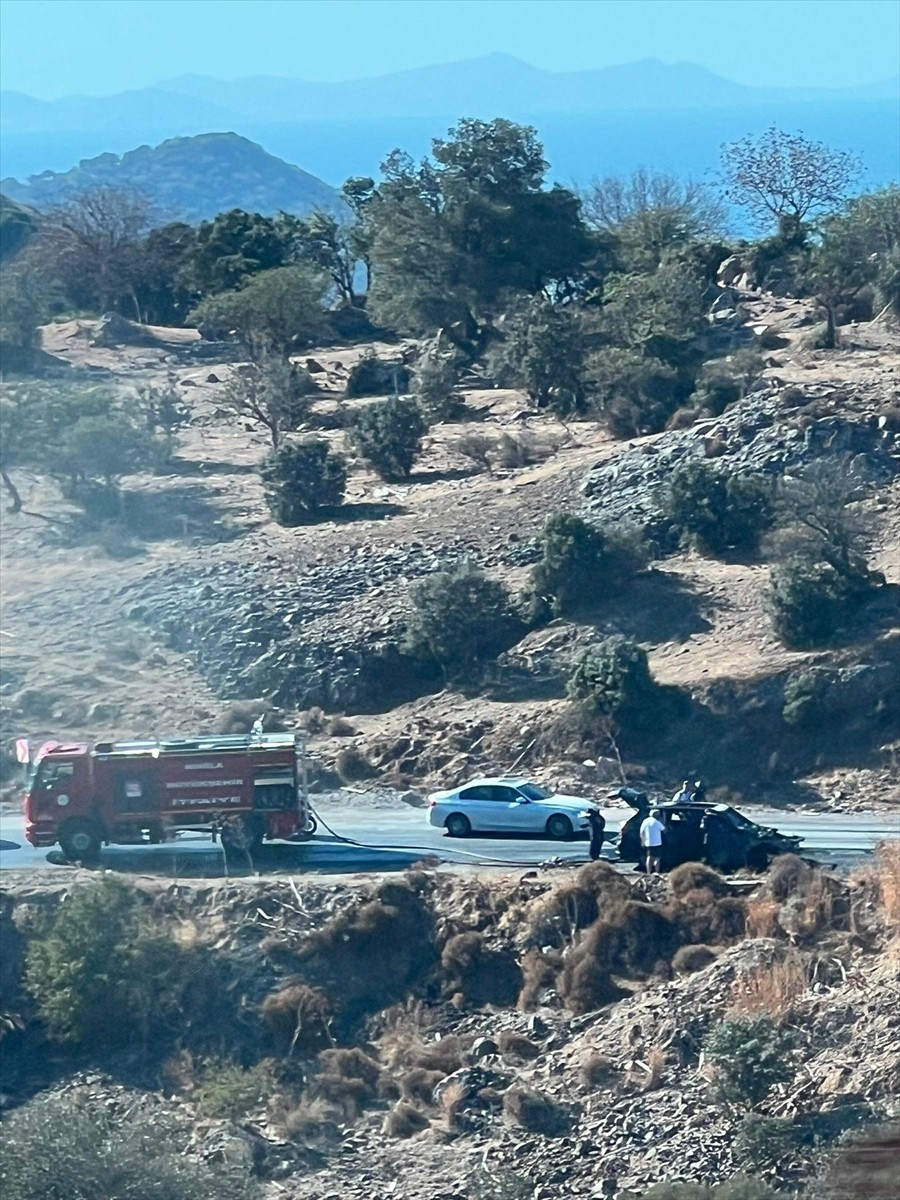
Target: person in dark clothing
x,y
597,823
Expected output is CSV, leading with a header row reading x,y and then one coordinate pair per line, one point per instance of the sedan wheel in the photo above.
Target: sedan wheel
x,y
457,825
559,827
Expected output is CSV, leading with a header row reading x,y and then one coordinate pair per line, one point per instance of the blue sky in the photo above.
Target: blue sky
x,y
51,48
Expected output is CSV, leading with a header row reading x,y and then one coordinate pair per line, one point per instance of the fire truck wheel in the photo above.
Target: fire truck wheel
x,y
80,841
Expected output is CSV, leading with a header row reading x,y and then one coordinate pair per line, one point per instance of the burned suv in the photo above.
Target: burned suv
x,y
700,831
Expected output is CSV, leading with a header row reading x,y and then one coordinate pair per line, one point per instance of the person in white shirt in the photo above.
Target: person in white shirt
x,y
684,793
652,830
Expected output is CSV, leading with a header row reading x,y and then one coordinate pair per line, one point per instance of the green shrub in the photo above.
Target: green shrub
x,y
434,383
808,601
226,1089
461,617
804,696
635,393
103,971
272,393
543,351
372,376
582,563
389,434
613,679
722,381
750,1057
762,1141
299,478
716,511
57,1148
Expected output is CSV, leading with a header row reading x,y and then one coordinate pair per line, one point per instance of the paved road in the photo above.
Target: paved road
x,y
394,839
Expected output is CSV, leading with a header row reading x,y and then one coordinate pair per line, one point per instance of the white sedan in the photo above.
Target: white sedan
x,y
507,805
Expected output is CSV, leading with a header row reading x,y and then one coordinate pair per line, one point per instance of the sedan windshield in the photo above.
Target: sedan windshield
x,y
533,792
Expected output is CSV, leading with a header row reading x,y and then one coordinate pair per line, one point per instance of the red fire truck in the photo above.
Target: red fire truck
x,y
247,786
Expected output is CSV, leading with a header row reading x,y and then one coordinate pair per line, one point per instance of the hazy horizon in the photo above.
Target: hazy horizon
x,y
51,49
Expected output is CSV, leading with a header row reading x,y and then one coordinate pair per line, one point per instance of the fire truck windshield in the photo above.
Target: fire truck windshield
x,y
47,774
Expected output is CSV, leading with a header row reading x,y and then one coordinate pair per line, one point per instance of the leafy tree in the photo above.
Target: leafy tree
x,y
460,617
272,393
236,245
613,679
786,176
164,274
333,247
301,477
275,312
105,1160
389,433
479,211
27,295
581,563
750,1058
650,214
717,510
18,225
544,350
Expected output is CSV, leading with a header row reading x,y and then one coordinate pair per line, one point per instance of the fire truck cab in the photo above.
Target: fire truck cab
x,y
248,787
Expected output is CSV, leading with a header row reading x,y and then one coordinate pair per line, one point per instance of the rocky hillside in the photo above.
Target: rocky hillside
x,y
550,1036
187,179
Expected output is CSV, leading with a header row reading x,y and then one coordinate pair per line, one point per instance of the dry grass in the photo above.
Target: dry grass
x,y
887,873
538,972
762,918
535,1112
692,958
517,1047
685,881
404,1121
650,1074
452,1100
419,1084
770,991
595,1070
299,1017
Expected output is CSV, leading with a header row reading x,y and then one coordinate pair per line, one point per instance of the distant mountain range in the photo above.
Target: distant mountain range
x,y
189,179
670,116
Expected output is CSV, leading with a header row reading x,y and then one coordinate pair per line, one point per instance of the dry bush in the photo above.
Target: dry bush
x,y
372,955
352,765
482,975
586,984
351,1063
419,1084
241,715
555,918
311,1121
689,959
635,937
517,1046
535,1112
446,1055
299,1017
312,719
477,447
701,919
404,1121
691,876
652,1072
596,1069
887,871
682,418
770,990
340,727
787,874
452,1101
762,918
539,972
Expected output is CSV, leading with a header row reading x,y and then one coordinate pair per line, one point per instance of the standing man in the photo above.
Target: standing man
x,y
597,823
652,830
684,793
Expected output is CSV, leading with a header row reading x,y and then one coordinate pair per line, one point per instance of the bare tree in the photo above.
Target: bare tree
x,y
786,176
93,241
823,519
271,393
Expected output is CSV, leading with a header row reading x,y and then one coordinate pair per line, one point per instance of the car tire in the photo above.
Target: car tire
x,y
457,825
559,827
81,841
